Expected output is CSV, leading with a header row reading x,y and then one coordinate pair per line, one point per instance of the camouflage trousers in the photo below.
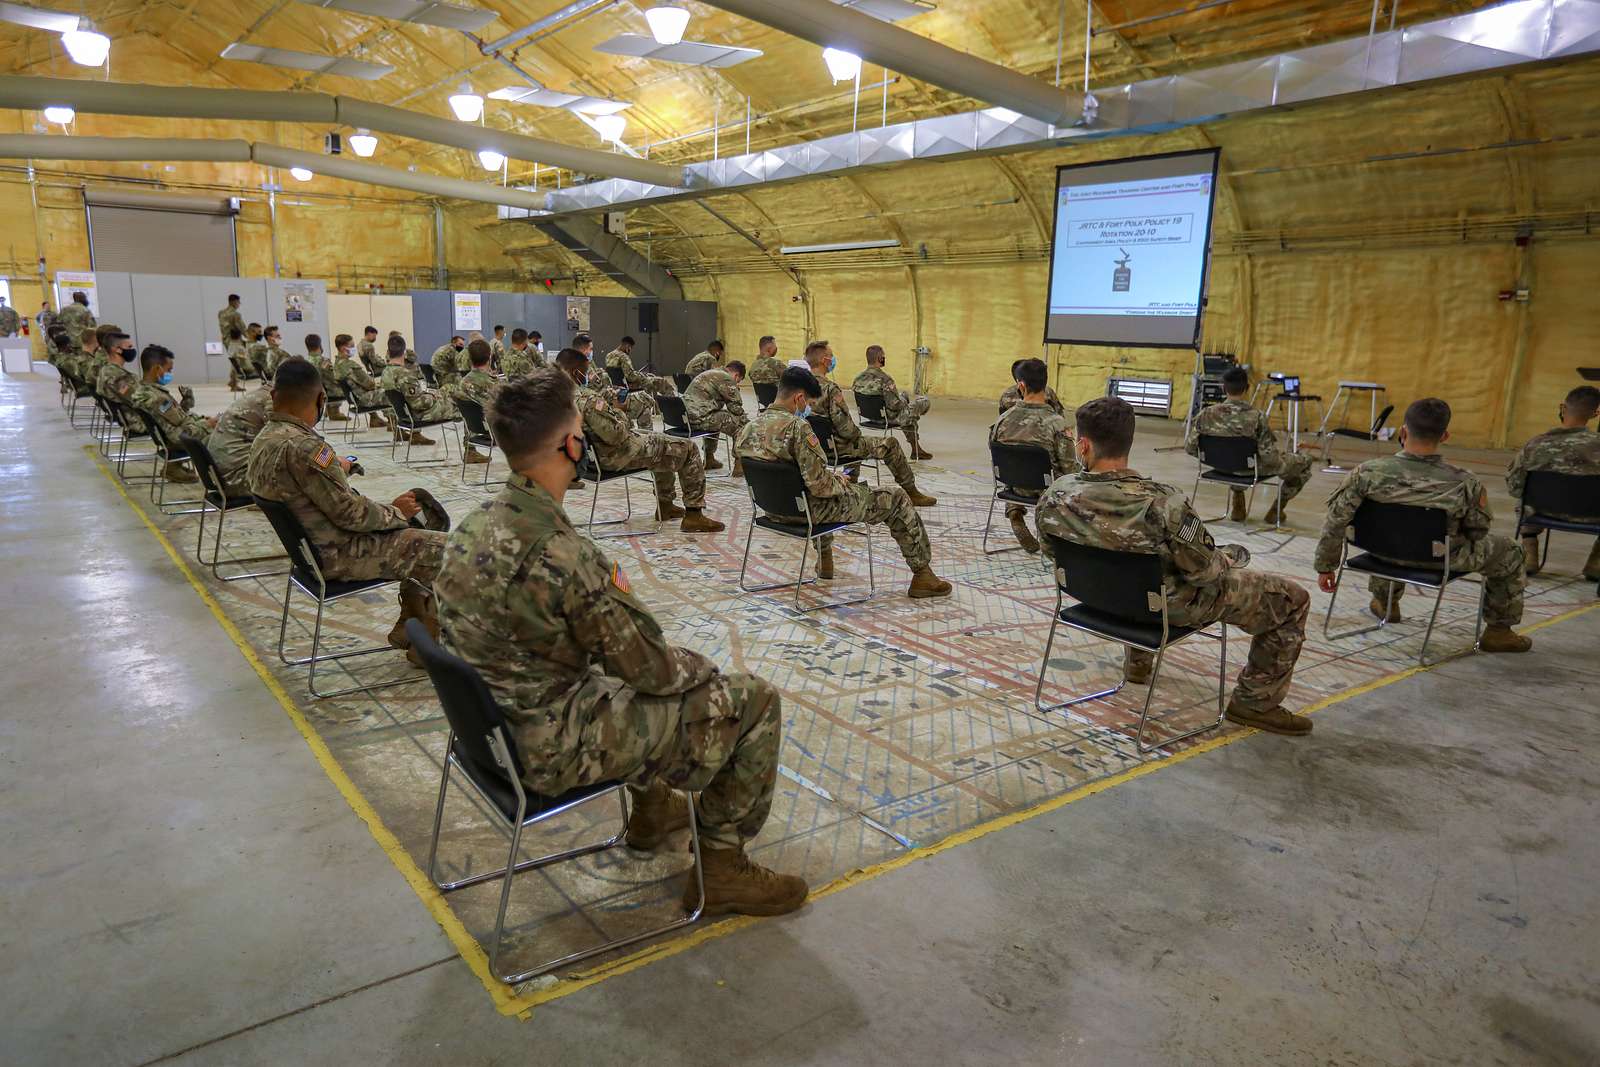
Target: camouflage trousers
x,y
1295,470
890,507
664,457
1499,559
727,423
427,409
365,397
1017,511
909,416
398,554
886,450
641,408
1271,610
719,740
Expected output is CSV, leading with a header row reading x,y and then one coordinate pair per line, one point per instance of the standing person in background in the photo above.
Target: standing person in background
x,y
230,324
10,321
76,316
45,318
497,347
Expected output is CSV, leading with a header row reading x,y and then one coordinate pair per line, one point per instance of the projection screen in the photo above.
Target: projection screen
x,y
1129,252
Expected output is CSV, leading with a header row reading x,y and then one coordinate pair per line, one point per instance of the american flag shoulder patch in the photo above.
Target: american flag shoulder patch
x,y
1192,529
619,579
324,456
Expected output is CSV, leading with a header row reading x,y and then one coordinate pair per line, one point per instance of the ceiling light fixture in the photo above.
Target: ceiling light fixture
x,y
86,46
667,23
300,174
839,246
843,66
467,105
491,159
362,143
610,127
60,115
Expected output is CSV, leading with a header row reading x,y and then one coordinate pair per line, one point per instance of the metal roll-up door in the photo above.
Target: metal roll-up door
x,y
155,233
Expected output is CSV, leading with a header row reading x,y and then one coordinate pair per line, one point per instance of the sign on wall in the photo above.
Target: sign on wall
x,y
467,311
577,314
299,302
76,281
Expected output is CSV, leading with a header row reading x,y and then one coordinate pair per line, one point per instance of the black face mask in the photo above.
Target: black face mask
x,y
583,450
322,409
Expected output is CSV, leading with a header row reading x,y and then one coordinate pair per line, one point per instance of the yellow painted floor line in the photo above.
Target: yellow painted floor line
x,y
521,1005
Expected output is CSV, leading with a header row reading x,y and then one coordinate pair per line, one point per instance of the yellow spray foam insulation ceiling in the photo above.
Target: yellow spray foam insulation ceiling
x,y
1360,237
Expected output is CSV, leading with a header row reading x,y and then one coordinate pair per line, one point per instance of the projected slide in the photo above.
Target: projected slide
x,y
1128,259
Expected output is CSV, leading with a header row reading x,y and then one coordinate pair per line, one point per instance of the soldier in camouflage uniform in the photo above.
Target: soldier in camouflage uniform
x,y
521,359
619,447
228,321
902,410
113,380
497,347
1418,475
712,402
478,385
1013,394
711,357
591,689
76,316
355,538
1571,448
848,440
159,407
350,371
637,381
10,321
1108,505
236,429
233,346
640,406
330,379
425,404
1034,422
367,351
781,434
449,364
1234,417
768,368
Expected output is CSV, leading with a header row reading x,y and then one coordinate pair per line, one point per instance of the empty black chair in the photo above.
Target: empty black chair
x,y
305,574
778,493
1234,462
682,381
870,412
480,747
1372,433
766,394
1115,592
215,498
1545,492
476,434
1016,467
408,424
1388,532
591,471
618,376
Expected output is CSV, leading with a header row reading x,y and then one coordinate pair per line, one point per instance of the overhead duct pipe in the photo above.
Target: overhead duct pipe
x,y
245,105
167,150
825,23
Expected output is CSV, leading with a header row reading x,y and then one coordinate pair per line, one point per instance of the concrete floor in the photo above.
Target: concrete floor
x,y
1418,882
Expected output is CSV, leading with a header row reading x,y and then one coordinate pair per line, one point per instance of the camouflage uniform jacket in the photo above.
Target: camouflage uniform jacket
x,y
76,318
275,355
160,406
521,362
113,380
330,378
1427,481
424,402
291,463
1038,424
367,352
257,351
633,379
875,381
497,348
229,319
10,321
712,391
1013,396
479,387
553,627
778,435
229,443
703,361
1563,450
1126,512
448,365
609,429
766,370
236,348
353,372
1235,417
831,406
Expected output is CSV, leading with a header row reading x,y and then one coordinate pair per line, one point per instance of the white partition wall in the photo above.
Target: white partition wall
x,y
353,312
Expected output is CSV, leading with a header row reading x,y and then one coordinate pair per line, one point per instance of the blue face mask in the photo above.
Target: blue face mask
x,y
833,361
165,379
806,414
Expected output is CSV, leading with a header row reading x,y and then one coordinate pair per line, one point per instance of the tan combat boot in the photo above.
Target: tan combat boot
x,y
738,468
919,499
1273,720
825,563
735,884
1025,538
926,585
1591,566
656,815
666,510
377,422
418,439
1389,613
1530,555
1272,518
1238,510
414,604
695,521
1137,665
336,414
177,472
916,451
1503,639
712,462
472,455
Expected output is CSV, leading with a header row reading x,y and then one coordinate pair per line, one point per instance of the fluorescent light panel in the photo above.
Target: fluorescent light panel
x,y
39,18
425,12
589,105
887,10
841,246
693,53
318,64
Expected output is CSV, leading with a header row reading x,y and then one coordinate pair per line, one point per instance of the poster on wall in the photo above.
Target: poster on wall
x,y
577,314
468,312
299,301
76,281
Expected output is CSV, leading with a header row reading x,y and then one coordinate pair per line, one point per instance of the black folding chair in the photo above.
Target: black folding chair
x,y
79,389
591,471
1369,434
871,413
1234,462
618,376
766,394
305,574
480,747
167,453
1122,597
682,382
1567,494
1016,467
132,428
1388,532
408,424
676,423
216,499
357,409
476,434
778,493
428,375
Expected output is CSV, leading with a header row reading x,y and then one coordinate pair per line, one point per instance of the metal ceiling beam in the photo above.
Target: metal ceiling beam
x,y
120,98
825,23
613,257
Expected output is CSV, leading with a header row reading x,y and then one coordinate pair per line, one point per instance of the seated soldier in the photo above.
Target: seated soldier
x,y
781,434
236,429
1418,475
478,385
350,371
449,364
848,440
900,410
355,537
1034,422
591,689
712,402
111,357
1013,394
152,400
91,356
1234,417
640,406
425,404
1571,448
521,359
638,381
768,368
330,380
1109,505
368,351
711,357
275,353
620,447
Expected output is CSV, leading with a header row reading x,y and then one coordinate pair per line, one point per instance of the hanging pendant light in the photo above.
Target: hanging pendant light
x,y
467,105
842,66
610,127
363,144
667,23
59,115
491,159
86,46
300,174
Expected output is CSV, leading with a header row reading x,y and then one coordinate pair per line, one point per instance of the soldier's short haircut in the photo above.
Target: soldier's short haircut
x,y
396,345
113,336
104,331
714,344
232,297
1015,364
627,341
1107,423
271,329
874,354
581,340
735,366
498,327
154,356
530,414
815,348
518,335
235,334
1585,401
479,353
88,333
765,341
1034,375
373,330
1428,418
533,335
570,359
296,381
797,380
458,337
342,339
1235,380
313,342
81,297
252,326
